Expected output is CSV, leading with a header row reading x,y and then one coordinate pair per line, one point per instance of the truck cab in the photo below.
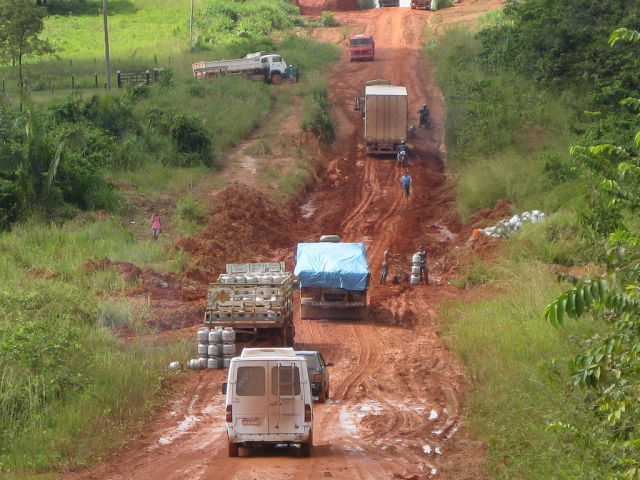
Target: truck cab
x,y
362,47
389,3
274,67
268,400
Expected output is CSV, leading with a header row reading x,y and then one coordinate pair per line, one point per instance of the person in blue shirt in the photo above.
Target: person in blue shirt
x,y
405,181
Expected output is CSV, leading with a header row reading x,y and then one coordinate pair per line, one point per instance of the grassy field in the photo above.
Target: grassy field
x,y
517,366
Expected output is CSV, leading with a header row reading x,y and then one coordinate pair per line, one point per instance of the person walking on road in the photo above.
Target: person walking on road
x,y
156,226
424,271
403,159
405,181
424,116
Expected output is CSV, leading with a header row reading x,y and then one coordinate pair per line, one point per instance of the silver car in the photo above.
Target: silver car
x,y
318,373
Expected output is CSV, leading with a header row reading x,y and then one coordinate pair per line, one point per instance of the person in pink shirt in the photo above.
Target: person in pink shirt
x,y
156,226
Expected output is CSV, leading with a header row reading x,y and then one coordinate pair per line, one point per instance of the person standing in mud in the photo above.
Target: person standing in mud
x,y
424,271
156,226
386,258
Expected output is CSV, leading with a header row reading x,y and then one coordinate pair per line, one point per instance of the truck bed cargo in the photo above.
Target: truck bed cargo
x,y
333,279
253,298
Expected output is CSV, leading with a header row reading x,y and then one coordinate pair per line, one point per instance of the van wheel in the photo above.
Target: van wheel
x,y
305,449
276,79
233,449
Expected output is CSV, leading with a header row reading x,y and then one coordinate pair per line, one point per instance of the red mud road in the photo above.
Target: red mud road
x,y
394,410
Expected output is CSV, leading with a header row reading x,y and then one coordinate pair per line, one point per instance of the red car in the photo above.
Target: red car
x,y
362,47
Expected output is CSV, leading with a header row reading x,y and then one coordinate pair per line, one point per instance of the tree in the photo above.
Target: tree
x,y
610,366
20,24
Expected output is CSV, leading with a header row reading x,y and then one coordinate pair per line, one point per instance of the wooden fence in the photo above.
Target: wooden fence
x,y
138,78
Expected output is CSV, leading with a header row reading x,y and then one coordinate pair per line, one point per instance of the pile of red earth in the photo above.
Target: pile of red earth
x,y
244,225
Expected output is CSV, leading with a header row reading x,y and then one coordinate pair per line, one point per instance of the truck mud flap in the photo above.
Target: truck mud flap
x,y
319,313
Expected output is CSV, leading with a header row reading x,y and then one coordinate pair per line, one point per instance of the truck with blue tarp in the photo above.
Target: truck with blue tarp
x,y
333,279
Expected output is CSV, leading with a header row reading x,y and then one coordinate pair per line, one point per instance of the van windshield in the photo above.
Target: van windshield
x,y
360,42
250,381
288,377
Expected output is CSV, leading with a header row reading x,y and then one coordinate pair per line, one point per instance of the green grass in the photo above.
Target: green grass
x,y
516,363
501,129
59,349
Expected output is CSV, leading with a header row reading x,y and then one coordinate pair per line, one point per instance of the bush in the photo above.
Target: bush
x,y
189,209
317,116
328,20
192,139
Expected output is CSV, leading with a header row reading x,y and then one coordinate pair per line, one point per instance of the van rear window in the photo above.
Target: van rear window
x,y
288,376
250,381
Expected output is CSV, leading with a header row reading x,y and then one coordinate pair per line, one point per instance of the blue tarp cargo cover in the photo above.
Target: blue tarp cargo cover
x,y
332,265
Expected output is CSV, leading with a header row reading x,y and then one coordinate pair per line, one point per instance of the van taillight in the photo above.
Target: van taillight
x,y
307,412
228,416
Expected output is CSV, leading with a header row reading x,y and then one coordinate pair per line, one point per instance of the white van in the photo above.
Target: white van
x,y
268,400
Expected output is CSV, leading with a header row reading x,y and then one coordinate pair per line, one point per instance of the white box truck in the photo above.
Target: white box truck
x,y
385,108
268,400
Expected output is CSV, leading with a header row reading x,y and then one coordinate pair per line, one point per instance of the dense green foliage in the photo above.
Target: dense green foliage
x,y
542,95
565,44
231,23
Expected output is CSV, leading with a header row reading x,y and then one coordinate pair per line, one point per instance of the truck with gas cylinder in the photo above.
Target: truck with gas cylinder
x,y
256,66
255,299
268,400
362,47
385,109
333,279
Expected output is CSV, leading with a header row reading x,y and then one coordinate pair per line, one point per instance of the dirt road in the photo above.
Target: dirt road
x,y
395,398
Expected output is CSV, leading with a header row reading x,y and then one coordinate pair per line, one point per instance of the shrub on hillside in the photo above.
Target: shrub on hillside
x,y
318,116
328,20
191,139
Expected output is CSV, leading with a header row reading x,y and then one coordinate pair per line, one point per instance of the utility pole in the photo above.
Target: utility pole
x,y
106,44
191,26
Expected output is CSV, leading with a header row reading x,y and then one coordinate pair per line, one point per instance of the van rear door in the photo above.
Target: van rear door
x,y
286,397
251,399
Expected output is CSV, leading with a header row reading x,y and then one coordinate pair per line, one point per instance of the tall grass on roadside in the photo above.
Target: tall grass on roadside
x,y
516,364
68,387
500,129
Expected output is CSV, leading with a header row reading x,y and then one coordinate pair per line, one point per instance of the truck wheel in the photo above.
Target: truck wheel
x,y
322,396
290,337
305,449
276,79
233,449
